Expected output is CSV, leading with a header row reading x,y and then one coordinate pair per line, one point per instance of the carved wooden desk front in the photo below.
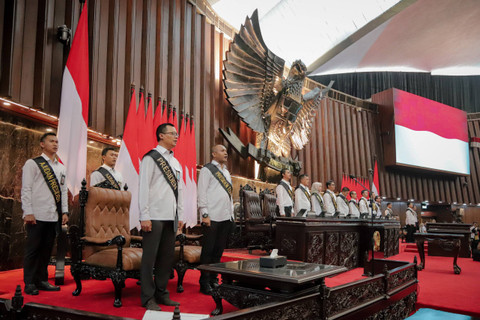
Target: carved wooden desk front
x,y
245,284
448,241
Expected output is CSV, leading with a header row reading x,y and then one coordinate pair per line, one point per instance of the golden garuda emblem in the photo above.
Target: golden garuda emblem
x,y
273,106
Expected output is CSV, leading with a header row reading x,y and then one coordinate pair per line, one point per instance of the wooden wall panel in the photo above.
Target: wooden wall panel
x,y
175,53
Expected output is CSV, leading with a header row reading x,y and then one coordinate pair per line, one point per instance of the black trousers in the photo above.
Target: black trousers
x,y
157,259
410,232
38,249
213,244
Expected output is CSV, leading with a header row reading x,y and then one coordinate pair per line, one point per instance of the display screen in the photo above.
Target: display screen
x,y
430,135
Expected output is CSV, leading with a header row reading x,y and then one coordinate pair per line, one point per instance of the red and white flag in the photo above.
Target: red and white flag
x,y
375,182
190,215
475,142
149,135
128,162
73,119
430,134
157,119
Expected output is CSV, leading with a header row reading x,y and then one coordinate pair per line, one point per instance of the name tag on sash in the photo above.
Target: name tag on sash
x,y
218,175
52,182
109,179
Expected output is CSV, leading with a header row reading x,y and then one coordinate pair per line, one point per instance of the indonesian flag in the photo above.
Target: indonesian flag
x,y
73,119
190,216
149,135
142,139
375,182
128,162
157,119
475,142
430,134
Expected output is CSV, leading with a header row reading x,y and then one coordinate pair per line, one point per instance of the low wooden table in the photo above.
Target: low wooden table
x,y
245,284
448,241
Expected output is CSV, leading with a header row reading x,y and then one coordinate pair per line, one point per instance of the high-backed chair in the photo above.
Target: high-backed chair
x,y
257,228
101,243
269,204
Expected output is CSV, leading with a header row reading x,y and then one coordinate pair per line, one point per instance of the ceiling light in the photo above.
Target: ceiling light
x,y
49,129
7,103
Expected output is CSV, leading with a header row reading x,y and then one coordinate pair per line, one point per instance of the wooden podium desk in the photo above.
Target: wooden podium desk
x,y
463,229
245,284
448,241
340,242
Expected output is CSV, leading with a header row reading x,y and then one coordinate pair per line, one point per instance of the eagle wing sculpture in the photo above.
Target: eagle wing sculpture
x,y
272,106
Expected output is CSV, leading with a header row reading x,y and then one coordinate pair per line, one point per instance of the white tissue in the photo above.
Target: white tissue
x,y
274,253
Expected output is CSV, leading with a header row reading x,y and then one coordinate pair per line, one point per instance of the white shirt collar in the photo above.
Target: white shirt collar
x,y
306,188
215,162
48,159
162,150
288,183
108,167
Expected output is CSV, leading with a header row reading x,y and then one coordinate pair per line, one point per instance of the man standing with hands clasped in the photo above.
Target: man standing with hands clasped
x,y
216,208
44,204
285,194
160,201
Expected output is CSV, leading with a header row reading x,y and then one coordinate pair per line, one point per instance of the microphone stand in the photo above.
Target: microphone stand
x,y
371,206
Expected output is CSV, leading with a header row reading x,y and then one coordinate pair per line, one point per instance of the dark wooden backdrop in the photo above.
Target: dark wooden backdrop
x,y
173,50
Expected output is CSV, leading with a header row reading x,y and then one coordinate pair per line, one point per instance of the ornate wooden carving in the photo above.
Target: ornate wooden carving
x,y
349,242
401,277
331,249
398,310
316,248
288,244
349,297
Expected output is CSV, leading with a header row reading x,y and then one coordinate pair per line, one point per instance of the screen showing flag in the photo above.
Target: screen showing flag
x,y
430,135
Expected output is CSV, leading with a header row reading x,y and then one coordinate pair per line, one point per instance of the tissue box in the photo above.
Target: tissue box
x,y
269,262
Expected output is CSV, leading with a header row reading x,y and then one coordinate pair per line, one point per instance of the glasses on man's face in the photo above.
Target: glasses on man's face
x,y
172,133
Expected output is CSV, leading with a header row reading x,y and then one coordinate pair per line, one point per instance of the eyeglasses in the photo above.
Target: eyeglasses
x,y
172,133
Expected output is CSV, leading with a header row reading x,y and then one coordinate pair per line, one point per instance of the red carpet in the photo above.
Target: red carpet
x,y
439,288
97,296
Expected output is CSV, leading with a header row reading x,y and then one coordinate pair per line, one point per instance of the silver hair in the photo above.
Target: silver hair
x,y
316,186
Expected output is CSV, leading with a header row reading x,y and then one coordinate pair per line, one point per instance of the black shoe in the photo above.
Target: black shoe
x,y
47,286
167,301
31,289
152,305
206,289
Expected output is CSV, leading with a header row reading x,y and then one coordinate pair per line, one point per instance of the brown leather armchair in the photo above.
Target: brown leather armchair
x,y
187,255
101,244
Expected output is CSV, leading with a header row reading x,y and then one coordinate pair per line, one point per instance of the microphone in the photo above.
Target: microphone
x,y
352,176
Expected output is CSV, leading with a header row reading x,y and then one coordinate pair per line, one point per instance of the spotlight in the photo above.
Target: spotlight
x,y
49,129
